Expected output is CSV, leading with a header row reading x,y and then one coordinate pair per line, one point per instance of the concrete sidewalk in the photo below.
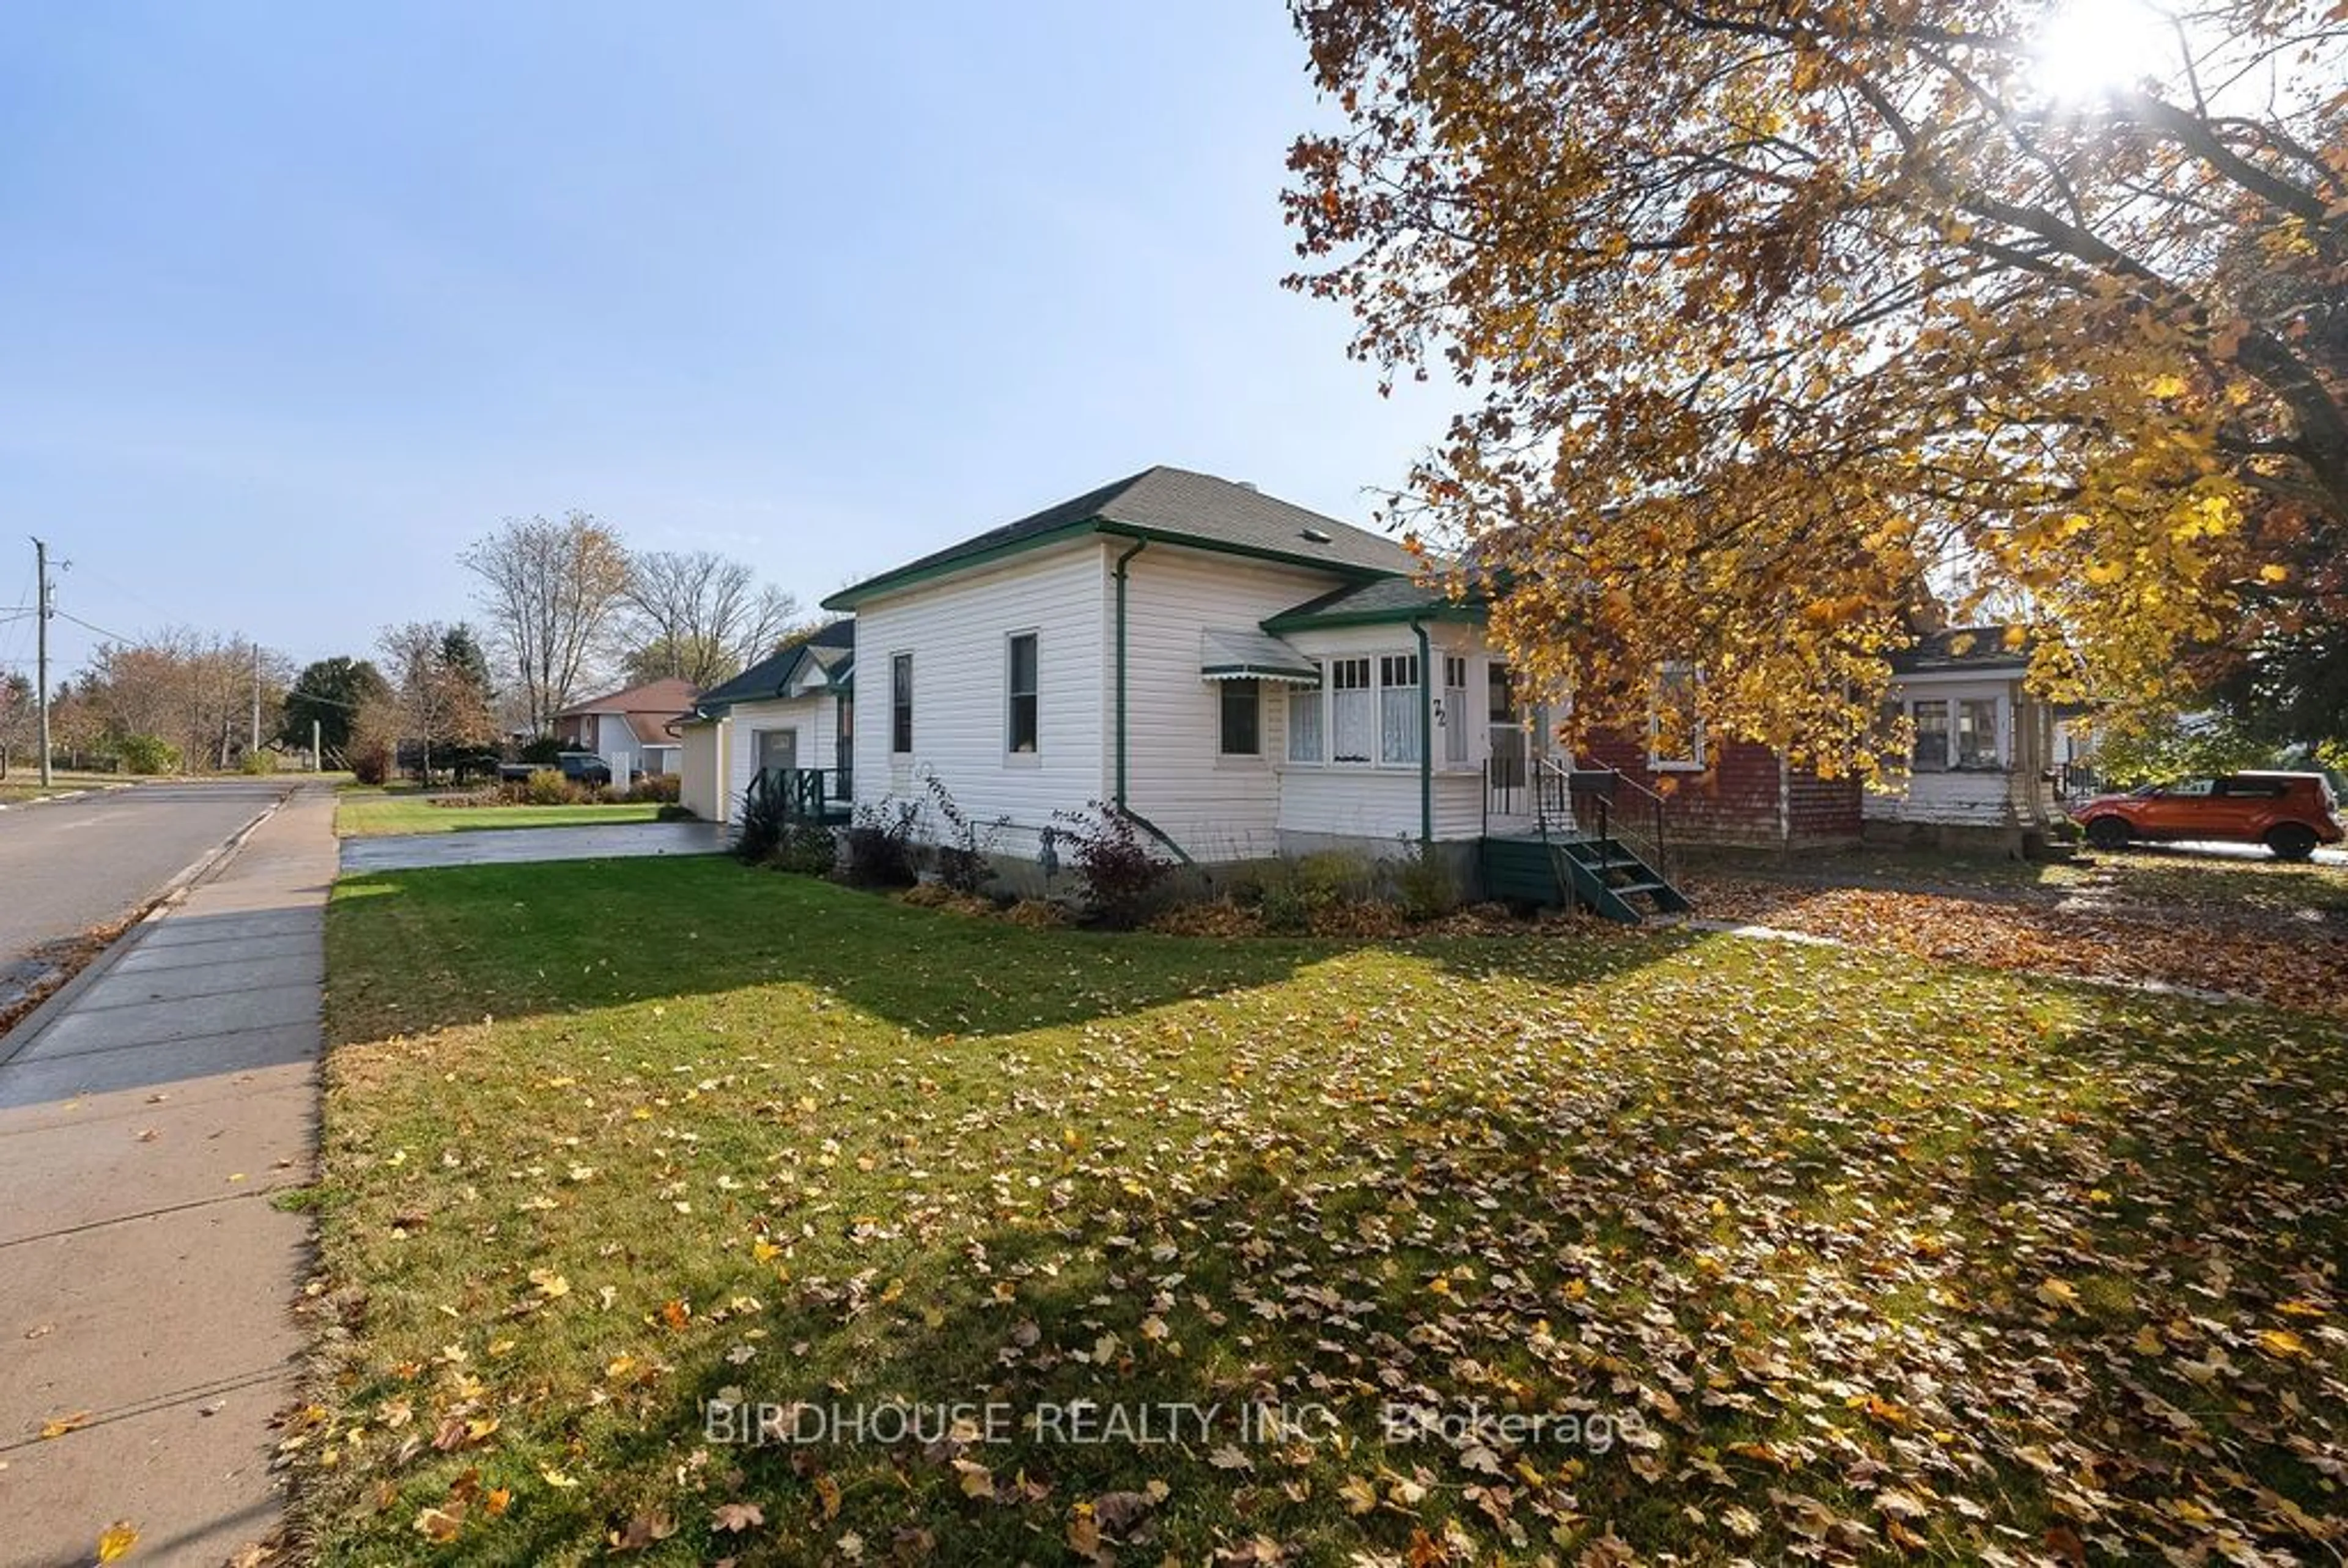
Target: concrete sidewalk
x,y
147,1114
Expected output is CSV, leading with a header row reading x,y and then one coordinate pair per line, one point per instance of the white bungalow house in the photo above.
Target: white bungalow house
x,y
1981,773
1243,677
793,710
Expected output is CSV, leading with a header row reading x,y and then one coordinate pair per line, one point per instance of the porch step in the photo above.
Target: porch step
x,y
1602,874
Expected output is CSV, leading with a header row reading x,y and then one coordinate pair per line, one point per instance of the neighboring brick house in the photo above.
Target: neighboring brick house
x,y
1736,794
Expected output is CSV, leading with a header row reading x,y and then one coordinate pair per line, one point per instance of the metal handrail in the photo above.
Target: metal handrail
x,y
1646,838
809,794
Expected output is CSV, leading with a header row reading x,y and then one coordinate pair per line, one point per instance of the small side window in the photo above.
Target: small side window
x,y
901,704
1020,720
1243,718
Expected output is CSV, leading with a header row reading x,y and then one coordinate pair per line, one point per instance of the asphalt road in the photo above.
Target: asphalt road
x,y
68,866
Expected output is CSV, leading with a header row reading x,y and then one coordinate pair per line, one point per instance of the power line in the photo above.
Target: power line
x,y
86,626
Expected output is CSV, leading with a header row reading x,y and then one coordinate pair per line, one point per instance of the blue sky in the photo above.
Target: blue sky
x,y
297,299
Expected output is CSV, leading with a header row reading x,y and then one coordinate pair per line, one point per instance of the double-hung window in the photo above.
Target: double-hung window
x,y
1399,712
1243,718
901,704
843,746
1932,754
1304,723
1020,713
1455,709
1352,711
1977,732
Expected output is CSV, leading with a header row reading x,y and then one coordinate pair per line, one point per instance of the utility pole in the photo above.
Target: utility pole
x,y
41,643
317,758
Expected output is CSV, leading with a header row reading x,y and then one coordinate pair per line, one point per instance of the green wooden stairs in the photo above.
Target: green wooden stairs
x,y
1604,876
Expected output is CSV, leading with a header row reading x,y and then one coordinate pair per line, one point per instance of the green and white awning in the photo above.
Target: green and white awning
x,y
1253,656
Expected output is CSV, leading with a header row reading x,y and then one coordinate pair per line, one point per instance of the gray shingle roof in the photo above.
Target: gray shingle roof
x,y
1389,599
772,675
1966,648
1174,504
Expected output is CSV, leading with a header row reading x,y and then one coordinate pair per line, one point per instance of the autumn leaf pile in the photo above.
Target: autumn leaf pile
x,y
2242,949
1882,1261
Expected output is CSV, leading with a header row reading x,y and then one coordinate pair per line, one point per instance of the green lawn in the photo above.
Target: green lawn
x,y
362,814
1878,1260
24,784
2151,874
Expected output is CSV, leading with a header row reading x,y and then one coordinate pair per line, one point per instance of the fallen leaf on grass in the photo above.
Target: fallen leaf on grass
x,y
440,1524
735,1517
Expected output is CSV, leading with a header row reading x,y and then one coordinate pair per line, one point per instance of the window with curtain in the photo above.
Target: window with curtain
x,y
1304,723
1019,721
1352,711
1932,754
901,704
1977,732
1242,727
1455,709
1400,713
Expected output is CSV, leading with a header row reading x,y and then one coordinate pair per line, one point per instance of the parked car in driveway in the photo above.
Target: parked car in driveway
x,y
2290,814
579,767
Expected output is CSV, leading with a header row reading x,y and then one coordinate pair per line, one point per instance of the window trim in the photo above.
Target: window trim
x,y
901,704
1316,694
1011,751
1224,692
1369,663
1950,699
1417,688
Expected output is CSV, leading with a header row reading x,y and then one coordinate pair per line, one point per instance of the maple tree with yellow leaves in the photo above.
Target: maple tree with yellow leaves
x,y
1776,316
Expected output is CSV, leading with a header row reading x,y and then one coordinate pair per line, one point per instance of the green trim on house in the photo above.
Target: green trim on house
x,y
1426,674
908,578
1246,552
849,597
1296,620
1119,572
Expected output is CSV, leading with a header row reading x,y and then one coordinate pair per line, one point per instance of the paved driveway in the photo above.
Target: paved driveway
x,y
518,846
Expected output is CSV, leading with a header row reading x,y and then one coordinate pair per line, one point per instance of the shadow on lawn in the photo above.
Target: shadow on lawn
x,y
1818,1267
448,947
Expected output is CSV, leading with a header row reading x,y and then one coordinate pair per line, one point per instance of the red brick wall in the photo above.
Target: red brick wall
x,y
1735,800
1822,811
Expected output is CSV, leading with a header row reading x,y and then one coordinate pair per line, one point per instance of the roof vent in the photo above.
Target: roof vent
x,y
1316,536
1244,483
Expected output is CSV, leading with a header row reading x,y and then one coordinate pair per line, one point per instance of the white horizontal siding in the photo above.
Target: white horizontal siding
x,y
812,717
958,631
1379,802
1216,807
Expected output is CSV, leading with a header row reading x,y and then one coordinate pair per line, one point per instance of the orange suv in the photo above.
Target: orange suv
x,y
2290,814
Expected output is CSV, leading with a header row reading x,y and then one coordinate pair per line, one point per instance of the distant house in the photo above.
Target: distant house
x,y
634,730
793,710
1981,773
